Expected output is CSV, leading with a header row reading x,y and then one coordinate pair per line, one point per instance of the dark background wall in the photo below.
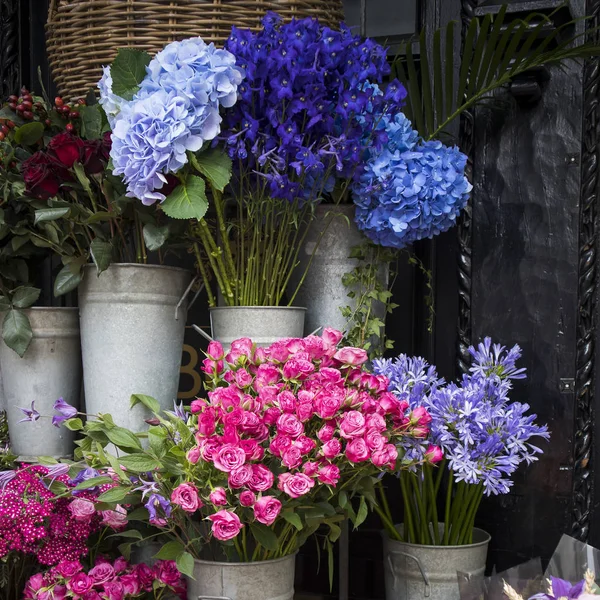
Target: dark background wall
x,y
520,267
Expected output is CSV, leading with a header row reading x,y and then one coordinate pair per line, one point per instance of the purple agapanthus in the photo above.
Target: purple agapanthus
x,y
484,436
561,589
297,125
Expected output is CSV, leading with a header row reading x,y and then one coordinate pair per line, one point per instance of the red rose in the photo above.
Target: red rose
x,y
67,148
106,145
39,176
93,156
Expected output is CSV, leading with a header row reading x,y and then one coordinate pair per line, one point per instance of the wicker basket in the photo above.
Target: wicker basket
x,y
84,35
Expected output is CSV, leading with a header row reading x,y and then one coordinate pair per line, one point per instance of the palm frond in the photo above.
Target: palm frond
x,y
496,49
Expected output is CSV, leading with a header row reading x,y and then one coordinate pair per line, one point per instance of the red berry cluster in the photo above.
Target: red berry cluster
x,y
68,111
5,129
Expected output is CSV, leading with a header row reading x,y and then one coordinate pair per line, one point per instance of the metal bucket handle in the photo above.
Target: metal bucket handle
x,y
427,592
214,598
185,295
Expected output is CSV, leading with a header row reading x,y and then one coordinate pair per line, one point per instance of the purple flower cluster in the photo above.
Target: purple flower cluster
x,y
409,189
484,436
296,124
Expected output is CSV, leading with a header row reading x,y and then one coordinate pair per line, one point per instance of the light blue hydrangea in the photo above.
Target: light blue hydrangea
x,y
175,110
409,189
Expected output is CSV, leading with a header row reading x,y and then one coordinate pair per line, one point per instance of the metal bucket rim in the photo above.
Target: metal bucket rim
x,y
56,308
141,266
484,542
245,564
226,308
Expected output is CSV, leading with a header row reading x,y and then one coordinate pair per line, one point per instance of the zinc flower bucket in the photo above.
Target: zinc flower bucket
x,y
263,324
415,571
264,580
50,369
131,337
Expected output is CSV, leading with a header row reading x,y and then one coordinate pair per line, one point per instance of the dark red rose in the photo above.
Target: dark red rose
x,y
39,174
67,148
170,185
167,572
93,157
106,145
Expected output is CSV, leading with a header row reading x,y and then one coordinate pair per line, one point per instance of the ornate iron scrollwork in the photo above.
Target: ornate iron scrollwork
x,y
9,47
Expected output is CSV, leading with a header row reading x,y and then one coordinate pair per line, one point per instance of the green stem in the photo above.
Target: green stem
x,y
424,525
387,523
432,502
215,258
202,269
408,519
461,513
220,211
384,502
447,510
467,528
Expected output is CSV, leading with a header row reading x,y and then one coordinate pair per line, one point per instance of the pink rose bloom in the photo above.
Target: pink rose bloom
x,y
297,369
278,444
252,450
304,411
247,498
145,576
167,572
240,477
260,355
250,421
389,404
212,367
292,457
331,448
279,352
131,584
35,583
386,457
296,485
357,450
241,351
328,402
225,525
266,374
114,590
215,351
91,595
288,424
117,519
229,457
120,564
329,474
82,509
310,468
225,397
80,583
271,415
306,444
374,440
197,406
218,496
434,454
314,346
352,425
59,592
186,496
230,435
193,455
243,379
268,394
68,568
287,401
267,509
326,432
234,417
262,479
102,573
375,421
331,336
351,356
420,416
208,447
206,423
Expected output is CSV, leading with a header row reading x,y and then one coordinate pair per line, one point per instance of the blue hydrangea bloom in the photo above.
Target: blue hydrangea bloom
x,y
175,110
408,189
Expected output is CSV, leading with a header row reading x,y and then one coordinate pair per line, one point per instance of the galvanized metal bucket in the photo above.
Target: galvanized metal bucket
x,y
132,327
265,580
50,369
333,233
413,571
262,324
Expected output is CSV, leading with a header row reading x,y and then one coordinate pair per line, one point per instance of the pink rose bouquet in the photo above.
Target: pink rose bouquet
x,y
116,580
288,439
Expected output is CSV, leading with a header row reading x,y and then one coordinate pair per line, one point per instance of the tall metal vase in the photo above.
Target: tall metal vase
x,y
50,369
329,241
131,337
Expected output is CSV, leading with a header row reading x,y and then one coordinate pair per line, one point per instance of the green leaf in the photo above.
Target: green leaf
x,y
293,518
125,551
83,179
147,401
101,252
50,214
16,331
138,514
116,465
132,534
139,463
93,482
25,296
29,134
187,201
170,551
215,165
265,536
6,114
46,461
123,439
334,532
66,281
74,424
185,564
154,236
362,513
128,70
114,495
90,118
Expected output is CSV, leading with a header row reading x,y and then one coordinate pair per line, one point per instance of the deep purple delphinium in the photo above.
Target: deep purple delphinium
x,y
484,436
296,126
